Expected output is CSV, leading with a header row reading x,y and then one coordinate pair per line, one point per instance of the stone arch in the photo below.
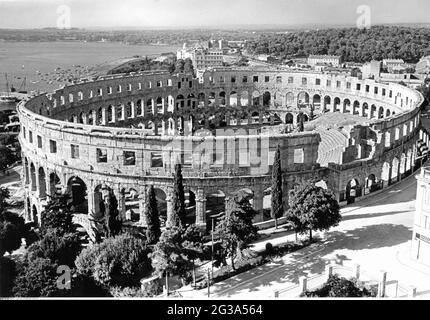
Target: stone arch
x,y
211,99
222,99
303,99
120,111
78,191
256,98
55,184
386,172
255,117
267,99
201,99
42,183
289,118
139,108
180,102
233,99
289,99
356,107
346,106
244,100
395,170
35,215
365,110
322,184
100,192
387,113
191,101
327,102
371,184
215,206
159,105
110,113
128,110
316,100
161,197
353,190
336,104
33,177
380,113
278,98
373,111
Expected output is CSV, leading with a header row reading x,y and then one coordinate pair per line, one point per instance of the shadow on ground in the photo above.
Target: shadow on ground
x,y
312,261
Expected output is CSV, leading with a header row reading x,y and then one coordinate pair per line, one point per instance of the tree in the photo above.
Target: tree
x,y
6,157
193,247
60,248
277,208
12,230
178,201
188,66
117,261
168,256
339,287
179,66
300,125
235,229
153,230
58,215
313,208
37,278
4,196
7,276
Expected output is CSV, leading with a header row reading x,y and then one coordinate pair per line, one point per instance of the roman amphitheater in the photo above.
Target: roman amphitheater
x,y
124,133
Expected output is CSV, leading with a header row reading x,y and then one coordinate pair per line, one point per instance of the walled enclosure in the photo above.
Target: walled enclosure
x,y
124,133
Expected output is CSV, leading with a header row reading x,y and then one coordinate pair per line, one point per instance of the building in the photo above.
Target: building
x,y
202,58
423,66
371,70
390,64
117,135
333,61
420,249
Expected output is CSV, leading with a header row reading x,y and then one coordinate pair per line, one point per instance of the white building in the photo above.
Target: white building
x,y
389,64
423,66
371,69
333,61
202,58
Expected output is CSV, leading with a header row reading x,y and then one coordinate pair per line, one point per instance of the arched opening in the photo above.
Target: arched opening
x,y
346,106
388,113
244,98
159,105
42,183
381,113
365,111
35,215
120,112
278,99
201,100
190,207
222,99
255,98
110,113
139,108
255,117
289,99
402,165
267,99
336,104
289,118
353,191
191,101
91,117
161,197
303,100
55,184
356,108
327,103
129,110
316,101
385,175
373,111
131,199
33,177
211,99
395,170
372,184
233,99
215,207
322,184
180,102
78,193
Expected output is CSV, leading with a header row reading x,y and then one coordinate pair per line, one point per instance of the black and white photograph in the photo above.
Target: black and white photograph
x,y
214,150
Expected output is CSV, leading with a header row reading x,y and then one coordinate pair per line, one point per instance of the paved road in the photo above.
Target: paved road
x,y
374,233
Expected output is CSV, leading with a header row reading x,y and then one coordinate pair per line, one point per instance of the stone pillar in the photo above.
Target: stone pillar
x,y
328,271
133,110
103,120
91,200
142,200
303,284
382,283
258,205
121,202
201,209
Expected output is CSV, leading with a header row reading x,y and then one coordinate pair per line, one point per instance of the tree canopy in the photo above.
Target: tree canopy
x,y
153,230
312,208
235,230
277,208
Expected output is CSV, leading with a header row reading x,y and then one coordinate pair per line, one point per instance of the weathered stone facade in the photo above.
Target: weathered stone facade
x,y
124,133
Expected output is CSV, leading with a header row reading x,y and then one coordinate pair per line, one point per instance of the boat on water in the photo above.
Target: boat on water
x,y
11,96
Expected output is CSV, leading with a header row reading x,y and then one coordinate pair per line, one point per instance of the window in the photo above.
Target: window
x,y
39,141
221,79
190,84
159,84
23,132
278,79
187,159
304,81
384,92
367,88
179,85
245,79
255,79
129,158
233,79
74,151
290,80
375,90
299,156
119,89
358,87
156,160
100,92
30,136
328,84
109,90
52,146
348,85
129,87
317,82
101,155
266,79
338,84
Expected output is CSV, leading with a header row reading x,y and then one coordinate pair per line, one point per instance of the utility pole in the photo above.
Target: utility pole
x,y
212,252
209,284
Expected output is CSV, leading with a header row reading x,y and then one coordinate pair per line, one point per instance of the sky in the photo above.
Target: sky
x,y
206,13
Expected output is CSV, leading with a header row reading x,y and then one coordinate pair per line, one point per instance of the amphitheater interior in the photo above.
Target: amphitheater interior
x,y
121,134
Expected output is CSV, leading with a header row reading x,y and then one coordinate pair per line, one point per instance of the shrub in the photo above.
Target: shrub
x,y
61,249
120,261
339,287
7,276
